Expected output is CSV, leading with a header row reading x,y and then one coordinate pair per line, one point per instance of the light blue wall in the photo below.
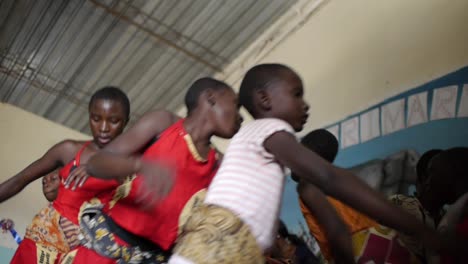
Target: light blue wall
x,y
6,254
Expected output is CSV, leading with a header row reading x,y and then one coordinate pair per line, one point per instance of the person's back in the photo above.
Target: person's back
x,y
422,205
247,166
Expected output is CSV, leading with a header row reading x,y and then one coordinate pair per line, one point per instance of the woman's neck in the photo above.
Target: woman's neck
x,y
200,132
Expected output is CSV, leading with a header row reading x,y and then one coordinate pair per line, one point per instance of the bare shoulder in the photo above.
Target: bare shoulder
x,y
63,151
159,119
69,146
161,115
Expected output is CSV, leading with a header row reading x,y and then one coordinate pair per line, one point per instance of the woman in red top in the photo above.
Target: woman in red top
x,y
54,230
124,232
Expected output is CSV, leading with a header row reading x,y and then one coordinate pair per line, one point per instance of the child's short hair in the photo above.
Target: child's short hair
x,y
200,85
258,77
114,94
423,163
323,143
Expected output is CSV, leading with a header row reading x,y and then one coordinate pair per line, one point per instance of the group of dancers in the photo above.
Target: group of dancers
x,y
160,192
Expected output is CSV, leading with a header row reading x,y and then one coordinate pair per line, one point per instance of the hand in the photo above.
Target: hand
x,y
6,225
77,177
157,181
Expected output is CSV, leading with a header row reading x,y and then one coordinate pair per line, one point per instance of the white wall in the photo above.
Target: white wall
x,y
353,54
25,137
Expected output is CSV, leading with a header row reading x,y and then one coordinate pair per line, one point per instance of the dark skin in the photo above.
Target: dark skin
x,y
216,114
283,99
50,185
109,121
336,231
431,202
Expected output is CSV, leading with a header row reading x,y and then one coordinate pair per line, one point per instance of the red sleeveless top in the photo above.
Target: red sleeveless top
x,y
68,202
160,224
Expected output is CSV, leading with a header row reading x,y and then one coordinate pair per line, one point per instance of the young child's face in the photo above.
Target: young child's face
x,y
107,120
287,100
50,185
226,113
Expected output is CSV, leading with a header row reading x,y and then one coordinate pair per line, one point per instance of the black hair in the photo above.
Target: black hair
x,y
259,77
198,87
323,143
114,94
284,233
423,164
282,229
452,165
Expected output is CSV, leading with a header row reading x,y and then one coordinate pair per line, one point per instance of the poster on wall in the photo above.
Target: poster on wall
x,y
370,125
463,109
393,116
444,102
417,109
350,132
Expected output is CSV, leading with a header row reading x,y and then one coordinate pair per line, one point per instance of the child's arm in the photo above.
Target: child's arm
x,y
335,229
345,186
51,160
120,158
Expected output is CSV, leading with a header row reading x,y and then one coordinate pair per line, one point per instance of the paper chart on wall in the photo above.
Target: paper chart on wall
x,y
444,102
370,125
417,109
463,109
393,116
350,132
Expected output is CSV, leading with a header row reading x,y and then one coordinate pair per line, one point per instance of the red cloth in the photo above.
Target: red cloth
x,y
160,225
27,253
68,202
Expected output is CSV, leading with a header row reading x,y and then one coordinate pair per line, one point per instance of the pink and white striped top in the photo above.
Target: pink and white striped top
x,y
250,181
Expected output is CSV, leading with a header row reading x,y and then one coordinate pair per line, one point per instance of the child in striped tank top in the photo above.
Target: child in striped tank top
x,y
237,220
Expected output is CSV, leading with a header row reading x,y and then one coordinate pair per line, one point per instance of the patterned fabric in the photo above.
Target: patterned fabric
x,y
212,235
412,205
380,245
96,236
354,220
250,181
46,229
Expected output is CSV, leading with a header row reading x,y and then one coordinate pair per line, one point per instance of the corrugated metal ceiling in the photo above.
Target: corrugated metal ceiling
x,y
55,53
